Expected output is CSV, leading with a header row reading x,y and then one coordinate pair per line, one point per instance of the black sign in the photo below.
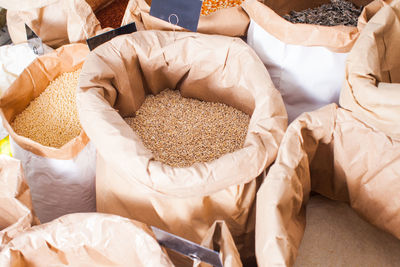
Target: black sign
x,y
184,13
97,40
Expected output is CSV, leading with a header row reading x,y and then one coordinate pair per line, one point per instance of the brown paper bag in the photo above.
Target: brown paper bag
x,y
86,239
64,175
15,201
230,21
217,238
331,152
56,22
220,239
372,86
306,62
184,201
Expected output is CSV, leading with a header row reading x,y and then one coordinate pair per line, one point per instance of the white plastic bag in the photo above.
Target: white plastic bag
x,y
59,187
307,77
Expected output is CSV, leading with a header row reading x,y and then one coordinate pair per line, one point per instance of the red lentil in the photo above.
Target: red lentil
x,y
112,14
210,6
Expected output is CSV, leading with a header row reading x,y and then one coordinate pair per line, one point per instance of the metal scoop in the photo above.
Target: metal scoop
x,y
187,248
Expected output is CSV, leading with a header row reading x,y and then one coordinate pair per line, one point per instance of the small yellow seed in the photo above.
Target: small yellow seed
x,y
210,6
51,119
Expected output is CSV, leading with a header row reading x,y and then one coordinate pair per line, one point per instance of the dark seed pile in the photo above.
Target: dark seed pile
x,y
182,131
337,12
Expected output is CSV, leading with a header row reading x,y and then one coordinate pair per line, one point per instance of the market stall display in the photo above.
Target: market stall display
x,y
59,167
16,213
306,62
187,132
183,201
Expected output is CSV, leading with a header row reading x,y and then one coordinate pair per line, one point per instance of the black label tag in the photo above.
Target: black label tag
x,y
97,40
184,13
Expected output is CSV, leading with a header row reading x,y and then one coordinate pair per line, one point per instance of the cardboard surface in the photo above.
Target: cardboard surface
x,y
336,236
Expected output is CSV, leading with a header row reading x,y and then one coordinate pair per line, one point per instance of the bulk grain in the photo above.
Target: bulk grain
x,y
337,12
185,201
112,14
182,131
210,6
52,119
40,115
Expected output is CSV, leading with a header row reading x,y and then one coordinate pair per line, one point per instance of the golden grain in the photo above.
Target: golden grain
x,y
51,119
182,131
211,6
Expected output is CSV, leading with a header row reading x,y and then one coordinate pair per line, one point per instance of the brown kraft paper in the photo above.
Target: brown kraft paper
x,y
219,238
56,22
372,85
16,214
331,152
30,84
184,201
86,239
